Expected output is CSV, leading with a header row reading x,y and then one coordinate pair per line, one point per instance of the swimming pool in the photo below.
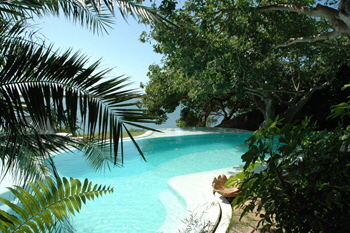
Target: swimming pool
x,y
135,206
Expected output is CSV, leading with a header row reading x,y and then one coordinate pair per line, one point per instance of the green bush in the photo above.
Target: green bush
x,y
305,183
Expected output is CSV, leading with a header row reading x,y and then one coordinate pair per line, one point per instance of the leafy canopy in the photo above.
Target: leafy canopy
x,y
227,62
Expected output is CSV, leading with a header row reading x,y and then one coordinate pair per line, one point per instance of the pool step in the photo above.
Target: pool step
x,y
175,208
202,207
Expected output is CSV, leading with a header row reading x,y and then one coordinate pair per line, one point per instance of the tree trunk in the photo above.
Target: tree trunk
x,y
266,105
295,105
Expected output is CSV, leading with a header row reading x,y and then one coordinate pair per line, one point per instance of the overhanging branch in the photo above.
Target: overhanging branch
x,y
315,38
340,19
318,11
342,46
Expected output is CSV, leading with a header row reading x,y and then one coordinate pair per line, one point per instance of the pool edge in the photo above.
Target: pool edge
x,y
198,194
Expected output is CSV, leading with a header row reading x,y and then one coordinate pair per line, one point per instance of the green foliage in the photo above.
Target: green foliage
x,y
340,110
305,184
197,72
218,60
191,118
44,203
238,178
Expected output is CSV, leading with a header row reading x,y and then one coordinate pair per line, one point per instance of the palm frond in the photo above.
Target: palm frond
x,y
96,15
18,31
146,14
78,12
26,155
9,29
126,8
13,11
97,20
46,202
46,85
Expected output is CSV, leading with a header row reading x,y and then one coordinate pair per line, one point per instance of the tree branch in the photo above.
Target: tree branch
x,y
223,109
342,46
301,103
315,38
340,19
318,11
256,91
280,98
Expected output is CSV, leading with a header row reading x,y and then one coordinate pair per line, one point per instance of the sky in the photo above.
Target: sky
x,y
120,49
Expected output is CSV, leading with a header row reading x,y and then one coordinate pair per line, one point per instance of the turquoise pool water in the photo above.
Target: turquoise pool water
x,y
134,206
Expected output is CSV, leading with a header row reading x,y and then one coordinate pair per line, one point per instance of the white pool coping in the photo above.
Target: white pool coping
x,y
198,194
226,214
173,132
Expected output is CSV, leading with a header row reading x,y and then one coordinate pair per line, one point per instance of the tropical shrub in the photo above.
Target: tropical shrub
x,y
47,203
305,183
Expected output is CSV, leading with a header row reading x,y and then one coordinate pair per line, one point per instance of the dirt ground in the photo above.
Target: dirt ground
x,y
248,224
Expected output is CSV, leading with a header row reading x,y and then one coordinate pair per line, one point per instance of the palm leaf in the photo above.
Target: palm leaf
x,y
84,14
96,15
47,85
56,201
12,11
146,14
14,148
96,20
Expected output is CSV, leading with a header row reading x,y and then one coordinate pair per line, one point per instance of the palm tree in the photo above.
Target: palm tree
x,y
56,88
